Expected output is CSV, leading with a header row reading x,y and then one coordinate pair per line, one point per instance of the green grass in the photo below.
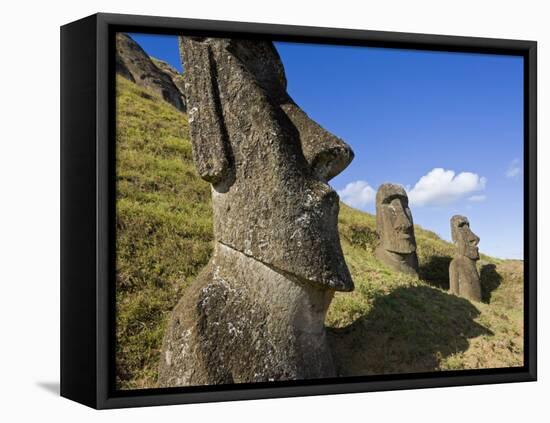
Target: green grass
x,y
394,323
164,226
391,323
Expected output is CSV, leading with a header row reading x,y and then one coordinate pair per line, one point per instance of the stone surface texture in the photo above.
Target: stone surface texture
x,y
394,224
134,64
256,312
464,278
177,78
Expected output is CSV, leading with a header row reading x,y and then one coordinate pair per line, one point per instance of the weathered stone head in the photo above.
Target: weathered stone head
x,y
465,240
257,310
394,224
267,161
463,275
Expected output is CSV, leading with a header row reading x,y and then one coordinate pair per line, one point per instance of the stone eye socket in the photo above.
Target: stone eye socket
x,y
391,206
394,202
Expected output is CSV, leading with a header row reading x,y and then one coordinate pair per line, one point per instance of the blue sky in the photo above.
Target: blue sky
x,y
447,126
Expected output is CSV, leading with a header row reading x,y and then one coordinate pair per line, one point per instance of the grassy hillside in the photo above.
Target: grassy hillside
x,y
393,323
164,226
390,323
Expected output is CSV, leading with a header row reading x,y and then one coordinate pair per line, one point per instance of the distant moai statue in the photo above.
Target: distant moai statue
x,y
463,275
256,312
394,224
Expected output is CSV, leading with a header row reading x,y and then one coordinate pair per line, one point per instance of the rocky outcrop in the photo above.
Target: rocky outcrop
x,y
464,278
257,311
394,224
177,78
134,64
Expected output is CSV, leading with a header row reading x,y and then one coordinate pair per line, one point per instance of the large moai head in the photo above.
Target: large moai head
x,y
463,275
394,224
394,220
465,240
267,161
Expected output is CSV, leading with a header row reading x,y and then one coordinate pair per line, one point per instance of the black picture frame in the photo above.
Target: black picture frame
x,y
87,210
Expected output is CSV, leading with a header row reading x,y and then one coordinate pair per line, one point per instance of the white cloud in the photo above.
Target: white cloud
x,y
442,186
477,198
357,194
514,169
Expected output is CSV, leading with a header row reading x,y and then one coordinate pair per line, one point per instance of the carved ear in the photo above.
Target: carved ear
x,y
206,126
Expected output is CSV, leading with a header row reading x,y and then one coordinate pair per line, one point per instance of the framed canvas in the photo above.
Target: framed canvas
x,y
257,211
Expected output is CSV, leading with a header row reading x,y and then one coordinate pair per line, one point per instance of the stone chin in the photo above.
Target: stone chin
x,y
322,262
402,262
303,268
472,253
297,239
468,251
403,246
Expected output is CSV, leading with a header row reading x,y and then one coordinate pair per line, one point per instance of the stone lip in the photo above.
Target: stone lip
x,y
133,63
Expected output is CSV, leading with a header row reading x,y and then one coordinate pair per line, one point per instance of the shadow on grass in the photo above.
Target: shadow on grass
x,y
436,271
410,330
490,280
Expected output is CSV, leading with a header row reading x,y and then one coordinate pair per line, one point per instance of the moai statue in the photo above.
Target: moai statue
x,y
394,224
463,275
256,312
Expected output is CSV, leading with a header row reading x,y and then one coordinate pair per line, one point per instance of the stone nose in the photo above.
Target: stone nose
x,y
327,154
330,156
472,238
401,222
